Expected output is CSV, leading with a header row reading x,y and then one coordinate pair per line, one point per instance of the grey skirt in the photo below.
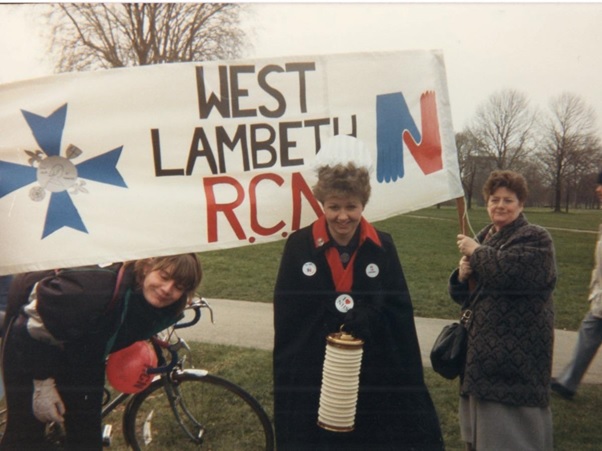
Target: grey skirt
x,y
492,426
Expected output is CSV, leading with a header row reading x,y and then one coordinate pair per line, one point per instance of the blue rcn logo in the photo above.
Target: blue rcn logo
x,y
58,175
395,126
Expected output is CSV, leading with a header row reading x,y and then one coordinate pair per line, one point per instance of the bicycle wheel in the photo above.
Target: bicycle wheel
x,y
208,413
2,418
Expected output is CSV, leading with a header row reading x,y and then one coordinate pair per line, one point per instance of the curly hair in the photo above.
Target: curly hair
x,y
342,180
511,180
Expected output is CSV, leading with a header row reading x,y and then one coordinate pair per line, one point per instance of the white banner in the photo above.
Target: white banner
x,y
137,162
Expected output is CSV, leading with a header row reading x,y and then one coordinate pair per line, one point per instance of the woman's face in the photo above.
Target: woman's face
x,y
503,207
343,215
160,290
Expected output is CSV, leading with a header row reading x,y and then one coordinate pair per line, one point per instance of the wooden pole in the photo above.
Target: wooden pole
x,y
463,220
462,215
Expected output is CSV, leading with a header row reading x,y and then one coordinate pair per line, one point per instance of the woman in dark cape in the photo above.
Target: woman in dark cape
x,y
342,272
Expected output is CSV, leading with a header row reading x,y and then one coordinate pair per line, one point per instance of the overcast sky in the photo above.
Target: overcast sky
x,y
541,49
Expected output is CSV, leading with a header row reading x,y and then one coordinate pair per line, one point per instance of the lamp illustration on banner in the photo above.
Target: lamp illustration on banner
x,y
340,382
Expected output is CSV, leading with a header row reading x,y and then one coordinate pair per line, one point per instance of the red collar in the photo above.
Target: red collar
x,y
321,237
341,277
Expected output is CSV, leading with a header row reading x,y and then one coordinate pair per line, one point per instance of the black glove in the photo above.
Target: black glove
x,y
357,322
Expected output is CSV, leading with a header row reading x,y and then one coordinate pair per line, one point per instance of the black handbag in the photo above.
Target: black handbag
x,y
448,354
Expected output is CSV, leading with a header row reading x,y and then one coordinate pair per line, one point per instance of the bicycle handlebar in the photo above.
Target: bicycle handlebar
x,y
197,304
173,352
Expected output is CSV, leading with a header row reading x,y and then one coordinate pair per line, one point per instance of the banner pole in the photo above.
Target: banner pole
x,y
461,207
464,226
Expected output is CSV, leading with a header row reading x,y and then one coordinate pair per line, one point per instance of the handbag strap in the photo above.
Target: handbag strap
x,y
467,307
117,286
466,317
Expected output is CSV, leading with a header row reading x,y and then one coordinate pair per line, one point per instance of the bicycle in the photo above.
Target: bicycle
x,y
186,408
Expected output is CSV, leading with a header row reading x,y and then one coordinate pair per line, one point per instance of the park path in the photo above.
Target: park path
x,y
250,324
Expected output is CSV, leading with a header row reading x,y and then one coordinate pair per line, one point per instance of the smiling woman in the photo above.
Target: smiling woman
x,y
506,194
343,194
61,325
342,274
506,277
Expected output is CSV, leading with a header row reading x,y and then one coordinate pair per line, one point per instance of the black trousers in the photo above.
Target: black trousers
x,y
80,382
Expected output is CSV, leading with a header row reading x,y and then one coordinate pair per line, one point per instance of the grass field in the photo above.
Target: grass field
x,y
426,243
576,423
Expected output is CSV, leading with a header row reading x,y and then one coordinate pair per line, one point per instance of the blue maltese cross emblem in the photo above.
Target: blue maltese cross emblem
x,y
59,175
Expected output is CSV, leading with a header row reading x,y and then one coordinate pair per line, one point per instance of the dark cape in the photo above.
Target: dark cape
x,y
394,409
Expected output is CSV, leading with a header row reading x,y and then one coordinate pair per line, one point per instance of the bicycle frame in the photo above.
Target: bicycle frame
x,y
170,386
168,372
175,385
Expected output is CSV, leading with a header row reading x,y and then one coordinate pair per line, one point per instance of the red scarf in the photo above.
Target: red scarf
x,y
342,277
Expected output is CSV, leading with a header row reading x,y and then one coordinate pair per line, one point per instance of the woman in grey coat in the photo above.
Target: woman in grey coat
x,y
506,276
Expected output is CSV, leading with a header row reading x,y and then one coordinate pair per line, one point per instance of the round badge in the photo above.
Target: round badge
x,y
309,269
372,270
37,193
56,174
344,303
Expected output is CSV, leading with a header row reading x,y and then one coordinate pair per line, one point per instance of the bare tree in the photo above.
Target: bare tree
x,y
504,125
570,147
467,146
90,36
475,164
539,192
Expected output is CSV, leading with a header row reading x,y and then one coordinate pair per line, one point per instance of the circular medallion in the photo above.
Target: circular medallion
x,y
344,303
309,269
37,193
56,174
345,257
372,270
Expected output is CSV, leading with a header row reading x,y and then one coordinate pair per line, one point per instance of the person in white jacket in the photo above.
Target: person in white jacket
x,y
589,337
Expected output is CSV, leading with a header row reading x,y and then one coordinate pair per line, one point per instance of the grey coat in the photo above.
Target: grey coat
x,y
511,334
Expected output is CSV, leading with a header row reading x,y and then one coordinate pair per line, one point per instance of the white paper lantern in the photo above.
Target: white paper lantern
x,y
340,382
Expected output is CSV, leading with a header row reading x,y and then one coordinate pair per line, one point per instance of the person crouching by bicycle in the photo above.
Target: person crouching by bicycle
x,y
60,327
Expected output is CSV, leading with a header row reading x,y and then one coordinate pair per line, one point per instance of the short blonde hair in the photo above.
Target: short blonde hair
x,y
345,180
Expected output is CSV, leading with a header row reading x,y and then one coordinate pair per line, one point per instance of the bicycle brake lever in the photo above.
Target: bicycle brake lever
x,y
182,344
204,304
179,345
